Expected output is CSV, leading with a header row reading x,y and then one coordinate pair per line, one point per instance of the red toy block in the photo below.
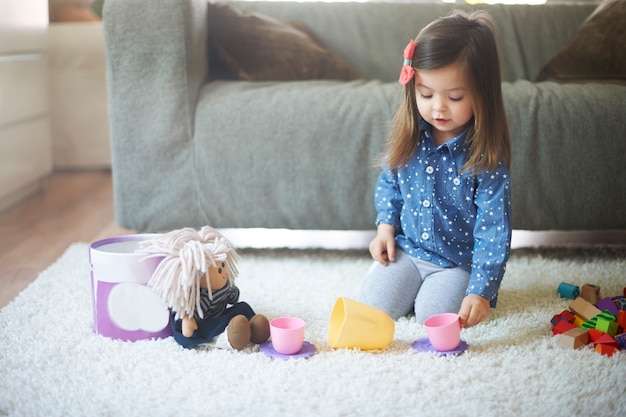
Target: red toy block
x,y
590,293
574,338
583,308
605,339
595,335
607,350
608,305
621,319
564,315
562,327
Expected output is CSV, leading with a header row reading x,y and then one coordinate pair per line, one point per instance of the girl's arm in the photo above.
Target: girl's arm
x,y
383,246
388,204
492,243
388,199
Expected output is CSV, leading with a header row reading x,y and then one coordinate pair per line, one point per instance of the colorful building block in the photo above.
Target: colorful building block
x,y
562,327
621,319
608,305
574,338
620,339
578,321
583,308
564,315
607,350
594,335
620,303
604,339
590,293
606,326
567,290
590,324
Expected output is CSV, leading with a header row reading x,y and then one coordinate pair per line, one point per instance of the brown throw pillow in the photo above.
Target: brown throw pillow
x,y
596,52
260,48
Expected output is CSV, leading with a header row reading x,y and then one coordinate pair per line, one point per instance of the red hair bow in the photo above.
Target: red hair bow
x,y
407,72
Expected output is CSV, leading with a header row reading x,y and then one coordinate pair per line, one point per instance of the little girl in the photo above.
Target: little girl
x,y
443,198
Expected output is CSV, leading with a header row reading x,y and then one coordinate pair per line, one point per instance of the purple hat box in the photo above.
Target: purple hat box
x,y
124,307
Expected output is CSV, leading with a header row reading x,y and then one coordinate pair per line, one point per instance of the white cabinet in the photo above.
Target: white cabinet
x,y
25,145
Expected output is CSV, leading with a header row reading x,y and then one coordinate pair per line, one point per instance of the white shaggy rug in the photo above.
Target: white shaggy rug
x,y
52,364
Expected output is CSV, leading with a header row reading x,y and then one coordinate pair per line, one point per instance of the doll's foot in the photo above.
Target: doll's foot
x,y
238,332
260,329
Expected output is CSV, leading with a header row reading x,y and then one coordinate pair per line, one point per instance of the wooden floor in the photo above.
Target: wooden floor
x,y
75,206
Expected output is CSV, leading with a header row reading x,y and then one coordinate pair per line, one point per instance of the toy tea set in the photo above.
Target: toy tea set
x,y
181,284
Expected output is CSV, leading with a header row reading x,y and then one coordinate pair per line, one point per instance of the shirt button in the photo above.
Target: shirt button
x,y
426,203
456,181
430,170
425,236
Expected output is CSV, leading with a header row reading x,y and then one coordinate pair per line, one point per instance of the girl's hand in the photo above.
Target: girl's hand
x,y
474,309
383,246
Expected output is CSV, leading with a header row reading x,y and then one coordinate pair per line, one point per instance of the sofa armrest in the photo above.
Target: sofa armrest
x,y
157,61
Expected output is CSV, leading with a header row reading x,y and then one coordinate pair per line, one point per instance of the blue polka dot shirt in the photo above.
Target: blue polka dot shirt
x,y
449,217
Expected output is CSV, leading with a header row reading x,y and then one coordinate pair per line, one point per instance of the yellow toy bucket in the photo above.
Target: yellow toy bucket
x,y
356,325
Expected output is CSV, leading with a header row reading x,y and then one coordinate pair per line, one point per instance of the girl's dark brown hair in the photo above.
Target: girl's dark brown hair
x,y
468,40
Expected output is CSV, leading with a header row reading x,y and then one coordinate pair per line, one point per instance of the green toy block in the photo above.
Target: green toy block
x,y
606,326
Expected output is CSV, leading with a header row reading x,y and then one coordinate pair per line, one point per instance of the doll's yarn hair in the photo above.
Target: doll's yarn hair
x,y
187,256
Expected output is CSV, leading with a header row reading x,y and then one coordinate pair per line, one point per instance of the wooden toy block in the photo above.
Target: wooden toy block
x,y
574,338
583,308
562,327
564,315
567,290
608,305
606,326
604,339
620,339
607,350
594,335
606,315
590,293
621,319
590,324
578,321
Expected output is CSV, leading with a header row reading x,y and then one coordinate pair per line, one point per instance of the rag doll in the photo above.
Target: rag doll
x,y
196,279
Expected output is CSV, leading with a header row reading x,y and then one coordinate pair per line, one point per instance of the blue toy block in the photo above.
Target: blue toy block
x,y
567,290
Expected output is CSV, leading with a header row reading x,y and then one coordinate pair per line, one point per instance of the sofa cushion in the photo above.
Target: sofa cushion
x,y
596,52
307,150
256,47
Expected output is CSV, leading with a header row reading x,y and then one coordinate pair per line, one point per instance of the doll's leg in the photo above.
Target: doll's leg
x,y
442,291
392,288
212,327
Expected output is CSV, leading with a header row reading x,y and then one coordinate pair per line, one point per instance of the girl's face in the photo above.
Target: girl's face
x,y
444,101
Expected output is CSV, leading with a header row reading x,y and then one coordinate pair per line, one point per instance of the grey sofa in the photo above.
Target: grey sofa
x,y
189,150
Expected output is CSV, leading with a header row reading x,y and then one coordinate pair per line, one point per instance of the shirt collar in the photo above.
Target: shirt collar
x,y
455,146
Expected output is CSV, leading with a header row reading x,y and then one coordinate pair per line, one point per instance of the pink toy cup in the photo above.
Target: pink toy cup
x,y
287,334
444,331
